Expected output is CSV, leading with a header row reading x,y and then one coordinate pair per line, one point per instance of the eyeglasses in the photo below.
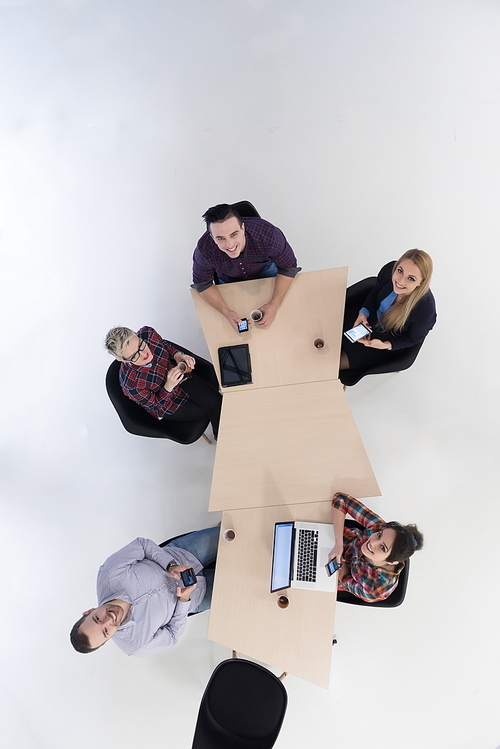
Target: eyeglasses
x,y
134,358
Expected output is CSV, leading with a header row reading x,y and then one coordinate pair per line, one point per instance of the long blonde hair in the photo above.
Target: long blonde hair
x,y
395,317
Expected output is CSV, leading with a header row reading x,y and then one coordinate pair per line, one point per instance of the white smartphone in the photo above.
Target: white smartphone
x,y
354,334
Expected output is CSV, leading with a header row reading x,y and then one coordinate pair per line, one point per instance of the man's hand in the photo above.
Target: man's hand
x,y
375,343
183,594
336,552
232,318
268,313
190,360
174,378
176,569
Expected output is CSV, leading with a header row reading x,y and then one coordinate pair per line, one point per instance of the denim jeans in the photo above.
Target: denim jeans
x,y
203,545
268,271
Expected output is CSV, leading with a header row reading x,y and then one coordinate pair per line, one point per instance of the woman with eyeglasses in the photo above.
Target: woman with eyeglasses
x,y
166,382
399,311
371,558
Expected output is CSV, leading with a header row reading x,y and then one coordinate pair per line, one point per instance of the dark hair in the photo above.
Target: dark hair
x,y
219,213
79,640
408,540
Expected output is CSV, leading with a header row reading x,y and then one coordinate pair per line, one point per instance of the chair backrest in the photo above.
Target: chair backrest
x,y
134,417
245,209
244,705
398,594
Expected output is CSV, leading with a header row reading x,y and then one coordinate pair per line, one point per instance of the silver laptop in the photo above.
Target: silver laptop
x,y
300,552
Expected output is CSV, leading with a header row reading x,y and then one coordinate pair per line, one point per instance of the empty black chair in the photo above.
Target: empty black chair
x,y
399,360
398,594
245,209
243,707
137,420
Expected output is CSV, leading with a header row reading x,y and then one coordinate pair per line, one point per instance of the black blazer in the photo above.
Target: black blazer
x,y
422,317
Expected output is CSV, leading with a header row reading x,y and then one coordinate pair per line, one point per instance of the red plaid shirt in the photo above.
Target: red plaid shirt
x,y
364,579
263,243
144,385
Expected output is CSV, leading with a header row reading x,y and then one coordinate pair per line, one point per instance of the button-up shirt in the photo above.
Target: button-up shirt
x,y
137,575
363,579
144,385
264,243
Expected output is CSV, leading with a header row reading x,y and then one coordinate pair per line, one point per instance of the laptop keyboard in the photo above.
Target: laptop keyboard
x,y
307,555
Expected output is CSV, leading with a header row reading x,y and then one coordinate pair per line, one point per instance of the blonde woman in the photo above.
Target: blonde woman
x,y
400,310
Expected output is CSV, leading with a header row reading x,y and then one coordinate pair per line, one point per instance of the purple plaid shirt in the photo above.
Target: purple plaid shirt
x,y
264,243
364,579
144,385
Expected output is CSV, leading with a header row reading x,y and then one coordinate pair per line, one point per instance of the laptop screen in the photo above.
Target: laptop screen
x,y
282,556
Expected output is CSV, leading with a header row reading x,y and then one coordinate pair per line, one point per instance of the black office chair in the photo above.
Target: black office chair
x,y
398,594
245,209
209,566
137,420
400,360
243,706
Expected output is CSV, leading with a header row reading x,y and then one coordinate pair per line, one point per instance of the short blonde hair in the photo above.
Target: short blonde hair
x,y
116,340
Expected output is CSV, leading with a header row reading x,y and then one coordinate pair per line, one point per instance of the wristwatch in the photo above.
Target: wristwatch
x,y
170,565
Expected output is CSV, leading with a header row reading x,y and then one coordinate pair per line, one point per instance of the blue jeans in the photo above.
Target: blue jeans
x,y
268,271
203,545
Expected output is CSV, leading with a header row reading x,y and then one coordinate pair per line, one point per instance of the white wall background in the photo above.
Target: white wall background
x,y
361,128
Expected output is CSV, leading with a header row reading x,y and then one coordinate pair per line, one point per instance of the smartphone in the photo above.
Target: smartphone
x,y
331,567
243,326
188,577
354,334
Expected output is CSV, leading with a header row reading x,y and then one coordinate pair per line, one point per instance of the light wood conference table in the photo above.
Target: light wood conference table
x,y
283,352
288,445
245,616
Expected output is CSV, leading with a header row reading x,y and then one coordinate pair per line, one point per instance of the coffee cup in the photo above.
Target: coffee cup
x,y
229,535
319,342
283,602
256,315
182,366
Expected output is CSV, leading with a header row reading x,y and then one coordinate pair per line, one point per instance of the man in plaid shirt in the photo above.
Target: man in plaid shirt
x,y
371,558
238,251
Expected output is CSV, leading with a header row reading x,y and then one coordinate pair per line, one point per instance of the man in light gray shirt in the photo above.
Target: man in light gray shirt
x,y
141,601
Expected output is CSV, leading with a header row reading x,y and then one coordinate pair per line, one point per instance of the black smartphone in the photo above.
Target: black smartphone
x,y
235,366
188,577
331,567
243,325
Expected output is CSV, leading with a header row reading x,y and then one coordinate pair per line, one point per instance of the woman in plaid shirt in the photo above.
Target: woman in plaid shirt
x,y
371,558
160,378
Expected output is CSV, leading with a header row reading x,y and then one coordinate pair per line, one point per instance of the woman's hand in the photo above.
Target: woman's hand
x,y
361,318
174,378
336,552
375,343
190,360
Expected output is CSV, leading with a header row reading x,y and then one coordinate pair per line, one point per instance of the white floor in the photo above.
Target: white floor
x,y
361,129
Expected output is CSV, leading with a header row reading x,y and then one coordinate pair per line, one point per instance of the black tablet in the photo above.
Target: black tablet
x,y
235,367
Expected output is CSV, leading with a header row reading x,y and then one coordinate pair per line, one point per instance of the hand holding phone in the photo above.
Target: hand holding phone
x,y
332,567
188,577
243,325
360,331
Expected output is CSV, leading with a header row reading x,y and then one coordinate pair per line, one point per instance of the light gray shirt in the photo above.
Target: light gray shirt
x,y
137,574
